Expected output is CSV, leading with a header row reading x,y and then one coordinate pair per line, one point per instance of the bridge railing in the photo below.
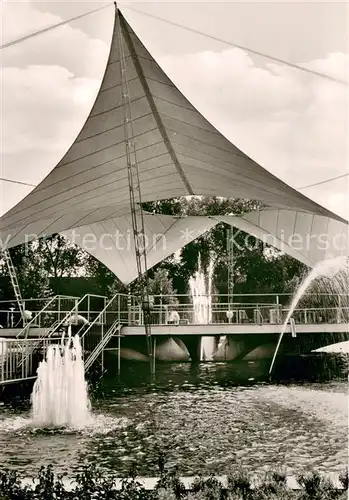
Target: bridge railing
x,y
53,310
214,310
328,315
42,311
33,305
252,298
117,310
215,314
19,359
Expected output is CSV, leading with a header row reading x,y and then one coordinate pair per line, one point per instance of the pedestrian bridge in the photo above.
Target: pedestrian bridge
x,y
249,323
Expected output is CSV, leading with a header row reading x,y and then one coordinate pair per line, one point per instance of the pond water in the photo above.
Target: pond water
x,y
206,418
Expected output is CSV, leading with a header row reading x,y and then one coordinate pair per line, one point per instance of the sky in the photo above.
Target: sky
x,y
292,123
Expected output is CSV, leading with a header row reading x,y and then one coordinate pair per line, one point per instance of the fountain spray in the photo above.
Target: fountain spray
x,y
60,397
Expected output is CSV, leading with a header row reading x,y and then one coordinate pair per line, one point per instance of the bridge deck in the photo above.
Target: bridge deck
x,y
32,332
234,329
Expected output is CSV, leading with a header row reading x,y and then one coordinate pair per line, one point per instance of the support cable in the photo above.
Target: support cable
x,y
247,49
50,28
324,181
12,181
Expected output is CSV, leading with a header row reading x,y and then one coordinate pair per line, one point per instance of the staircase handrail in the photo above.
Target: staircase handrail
x,y
97,318
100,346
51,330
71,312
33,320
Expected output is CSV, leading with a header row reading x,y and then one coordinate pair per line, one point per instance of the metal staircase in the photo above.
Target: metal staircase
x,y
94,339
54,327
14,282
115,327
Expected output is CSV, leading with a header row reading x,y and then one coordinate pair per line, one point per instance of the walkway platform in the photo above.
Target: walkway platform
x,y
32,333
233,329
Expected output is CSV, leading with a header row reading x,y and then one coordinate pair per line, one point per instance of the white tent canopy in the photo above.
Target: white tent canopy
x,y
111,241
178,151
306,237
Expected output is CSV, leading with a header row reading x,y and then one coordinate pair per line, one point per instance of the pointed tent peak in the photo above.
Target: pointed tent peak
x,y
178,153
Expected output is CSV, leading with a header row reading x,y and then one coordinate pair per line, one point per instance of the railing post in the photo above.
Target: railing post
x,y
154,357
119,353
101,340
207,309
59,308
160,309
76,308
88,307
11,360
339,310
22,367
129,301
278,311
119,309
104,315
1,359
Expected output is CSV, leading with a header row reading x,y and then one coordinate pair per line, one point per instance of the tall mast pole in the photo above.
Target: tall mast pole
x,y
230,249
134,185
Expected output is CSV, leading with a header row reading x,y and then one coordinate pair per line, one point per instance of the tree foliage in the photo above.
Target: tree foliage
x,y
32,277
59,257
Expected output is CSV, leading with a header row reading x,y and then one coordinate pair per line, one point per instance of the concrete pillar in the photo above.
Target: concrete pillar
x,y
169,350
193,344
134,348
232,348
264,351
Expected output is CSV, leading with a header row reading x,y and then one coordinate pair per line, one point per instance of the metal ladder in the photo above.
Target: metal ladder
x,y
15,285
101,345
134,186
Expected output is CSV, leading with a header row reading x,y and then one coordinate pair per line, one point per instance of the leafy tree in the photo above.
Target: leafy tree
x,y
107,283
38,261
60,257
161,284
32,277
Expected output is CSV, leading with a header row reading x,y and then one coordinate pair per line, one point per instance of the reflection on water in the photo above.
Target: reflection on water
x,y
207,418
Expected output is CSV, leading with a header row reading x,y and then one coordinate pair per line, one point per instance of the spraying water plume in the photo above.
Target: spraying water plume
x,y
60,397
332,278
201,292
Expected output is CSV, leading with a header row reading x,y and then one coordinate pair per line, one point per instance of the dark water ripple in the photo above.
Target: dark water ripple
x,y
203,420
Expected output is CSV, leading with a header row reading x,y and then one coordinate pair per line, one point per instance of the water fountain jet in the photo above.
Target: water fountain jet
x,y
60,397
201,292
332,269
